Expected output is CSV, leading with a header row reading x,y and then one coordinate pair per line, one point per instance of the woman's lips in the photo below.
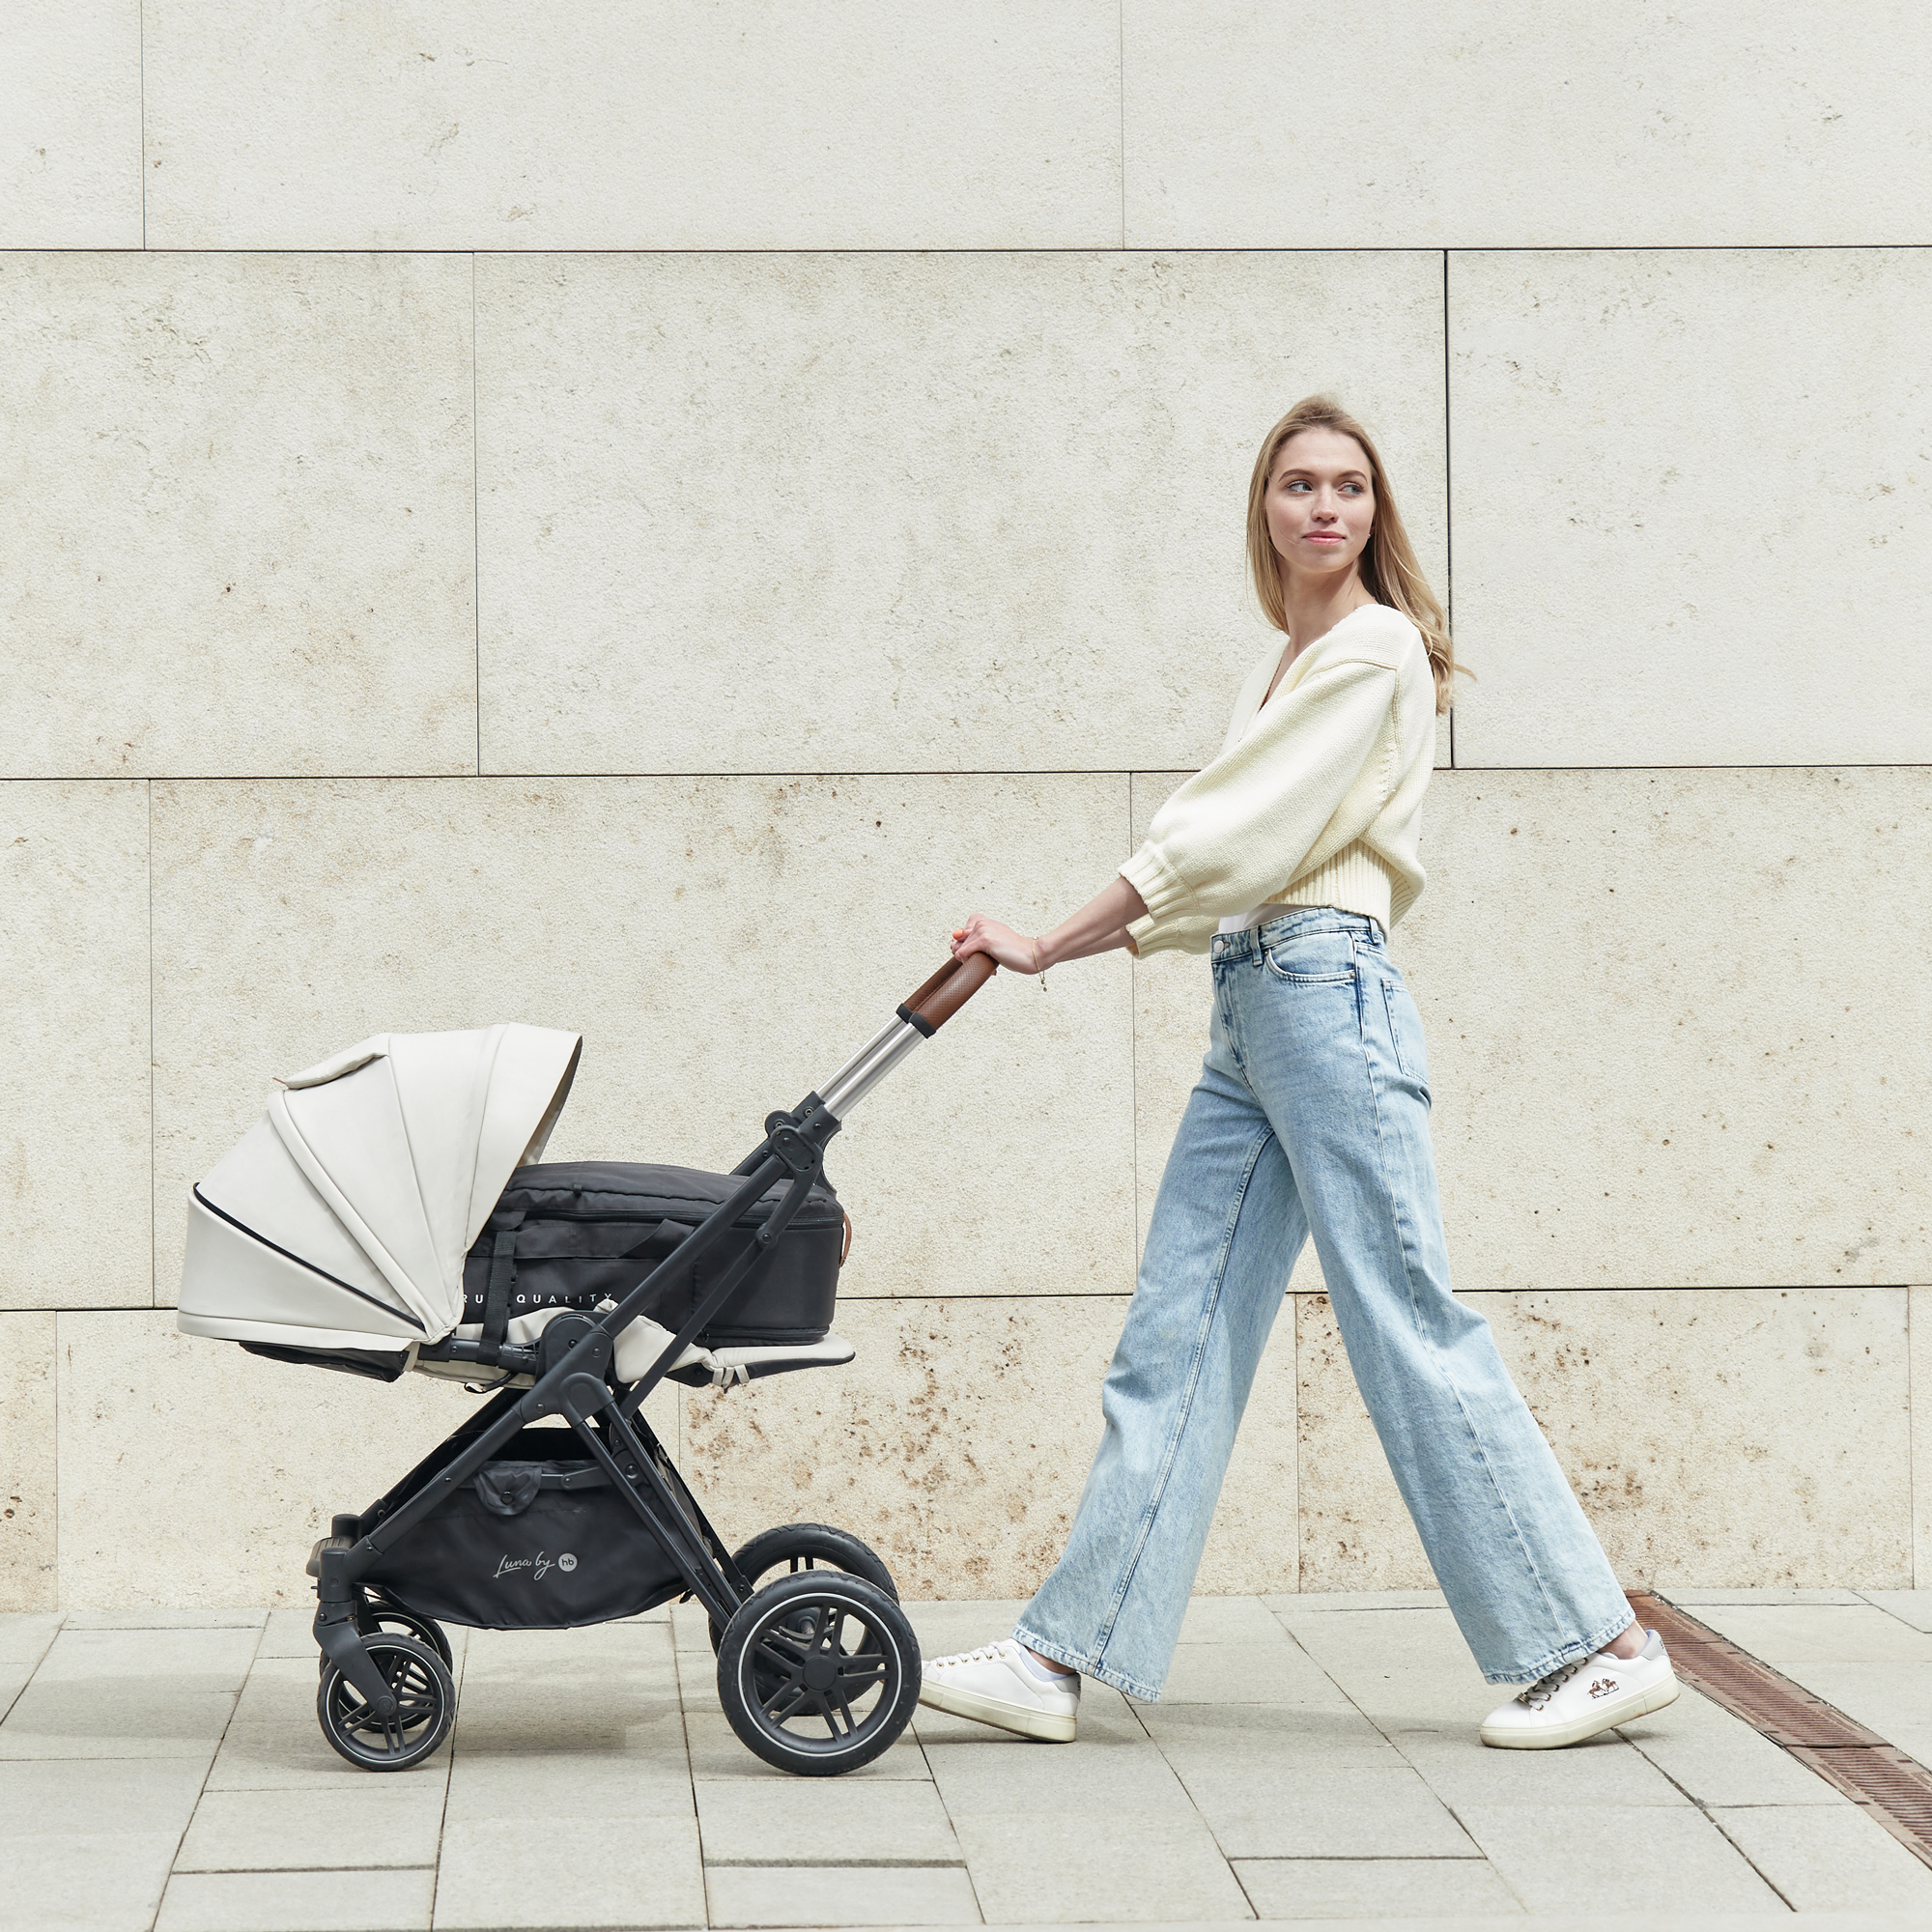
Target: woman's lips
x,y
1325,538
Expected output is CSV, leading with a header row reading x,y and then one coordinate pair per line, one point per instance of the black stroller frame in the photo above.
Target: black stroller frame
x,y
826,1644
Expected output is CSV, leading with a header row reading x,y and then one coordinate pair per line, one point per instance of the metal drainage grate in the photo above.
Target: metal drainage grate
x,y
1894,1789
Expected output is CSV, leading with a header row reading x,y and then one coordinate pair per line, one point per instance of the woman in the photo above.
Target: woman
x,y
1291,856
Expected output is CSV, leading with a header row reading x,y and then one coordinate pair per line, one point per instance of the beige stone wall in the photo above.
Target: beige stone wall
x,y
640,523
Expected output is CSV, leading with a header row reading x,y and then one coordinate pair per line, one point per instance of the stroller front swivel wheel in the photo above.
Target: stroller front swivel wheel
x,y
818,1673
425,1696
379,1616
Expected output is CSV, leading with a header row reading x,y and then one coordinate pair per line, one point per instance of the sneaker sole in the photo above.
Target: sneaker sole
x,y
1015,1718
1625,1710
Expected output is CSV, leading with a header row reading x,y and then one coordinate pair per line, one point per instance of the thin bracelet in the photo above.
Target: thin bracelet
x,y
1038,967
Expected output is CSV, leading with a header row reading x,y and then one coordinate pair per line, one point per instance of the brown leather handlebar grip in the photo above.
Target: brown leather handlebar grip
x,y
948,990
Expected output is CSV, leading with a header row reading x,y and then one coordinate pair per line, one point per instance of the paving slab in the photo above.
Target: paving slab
x,y
825,1821
1277,1783
1371,1888
88,1843
1266,1738
1417,1693
1405,1665
216,1655
334,1901
135,1794
569,1871
1856,1633
1716,1758
164,1619
280,1691
1765,1598
129,1693
1231,1620
715,1751
283,1756
1602,1771
289,1633
841,1896
622,1704
698,1680
1241,1674
691,1628
1829,1861
90,1880
1912,1606
1324,1810
379,1823
1422,1629
12,1680
510,1788
1114,1778
25,1634
1314,1603
943,1629
1569,1859
1123,1870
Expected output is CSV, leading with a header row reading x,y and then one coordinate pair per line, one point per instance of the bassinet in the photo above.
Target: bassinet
x,y
391,1197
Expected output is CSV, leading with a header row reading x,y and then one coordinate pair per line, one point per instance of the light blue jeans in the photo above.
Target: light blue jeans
x,y
1312,1117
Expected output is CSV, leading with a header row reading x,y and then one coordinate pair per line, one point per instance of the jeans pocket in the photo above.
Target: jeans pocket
x,y
1312,960
1405,1025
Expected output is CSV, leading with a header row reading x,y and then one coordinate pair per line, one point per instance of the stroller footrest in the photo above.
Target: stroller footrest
x,y
730,1368
322,1543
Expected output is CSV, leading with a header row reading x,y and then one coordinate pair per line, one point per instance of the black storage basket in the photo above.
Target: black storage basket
x,y
538,1540
584,1229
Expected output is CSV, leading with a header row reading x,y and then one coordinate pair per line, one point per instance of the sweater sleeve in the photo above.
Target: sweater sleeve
x,y
1242,827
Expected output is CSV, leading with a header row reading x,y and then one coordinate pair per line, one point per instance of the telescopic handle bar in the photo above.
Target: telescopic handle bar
x,y
919,1018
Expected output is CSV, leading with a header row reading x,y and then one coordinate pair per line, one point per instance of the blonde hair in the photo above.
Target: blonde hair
x,y
1387,564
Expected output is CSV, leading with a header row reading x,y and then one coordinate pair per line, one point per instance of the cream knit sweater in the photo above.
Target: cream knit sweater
x,y
1318,804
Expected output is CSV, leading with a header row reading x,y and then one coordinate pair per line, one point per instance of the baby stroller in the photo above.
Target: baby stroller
x,y
389,1212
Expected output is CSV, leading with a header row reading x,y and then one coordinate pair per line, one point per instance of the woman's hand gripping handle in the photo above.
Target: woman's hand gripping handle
x,y
947,992
1098,926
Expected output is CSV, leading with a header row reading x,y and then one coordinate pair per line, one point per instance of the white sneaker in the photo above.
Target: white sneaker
x,y
1581,1699
999,1685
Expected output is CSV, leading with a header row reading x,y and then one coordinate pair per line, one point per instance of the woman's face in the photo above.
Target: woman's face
x,y
1321,501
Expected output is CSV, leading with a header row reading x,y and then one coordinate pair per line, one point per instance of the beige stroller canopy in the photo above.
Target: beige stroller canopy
x,y
342,1219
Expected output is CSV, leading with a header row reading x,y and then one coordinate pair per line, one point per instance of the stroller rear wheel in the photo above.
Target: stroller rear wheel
x,y
425,1696
799,1546
818,1672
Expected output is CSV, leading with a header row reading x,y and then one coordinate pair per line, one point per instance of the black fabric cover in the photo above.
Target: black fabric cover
x,y
568,1557
580,1216
382,1365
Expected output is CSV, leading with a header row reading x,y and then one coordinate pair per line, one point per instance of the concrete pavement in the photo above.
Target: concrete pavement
x,y
1315,1758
